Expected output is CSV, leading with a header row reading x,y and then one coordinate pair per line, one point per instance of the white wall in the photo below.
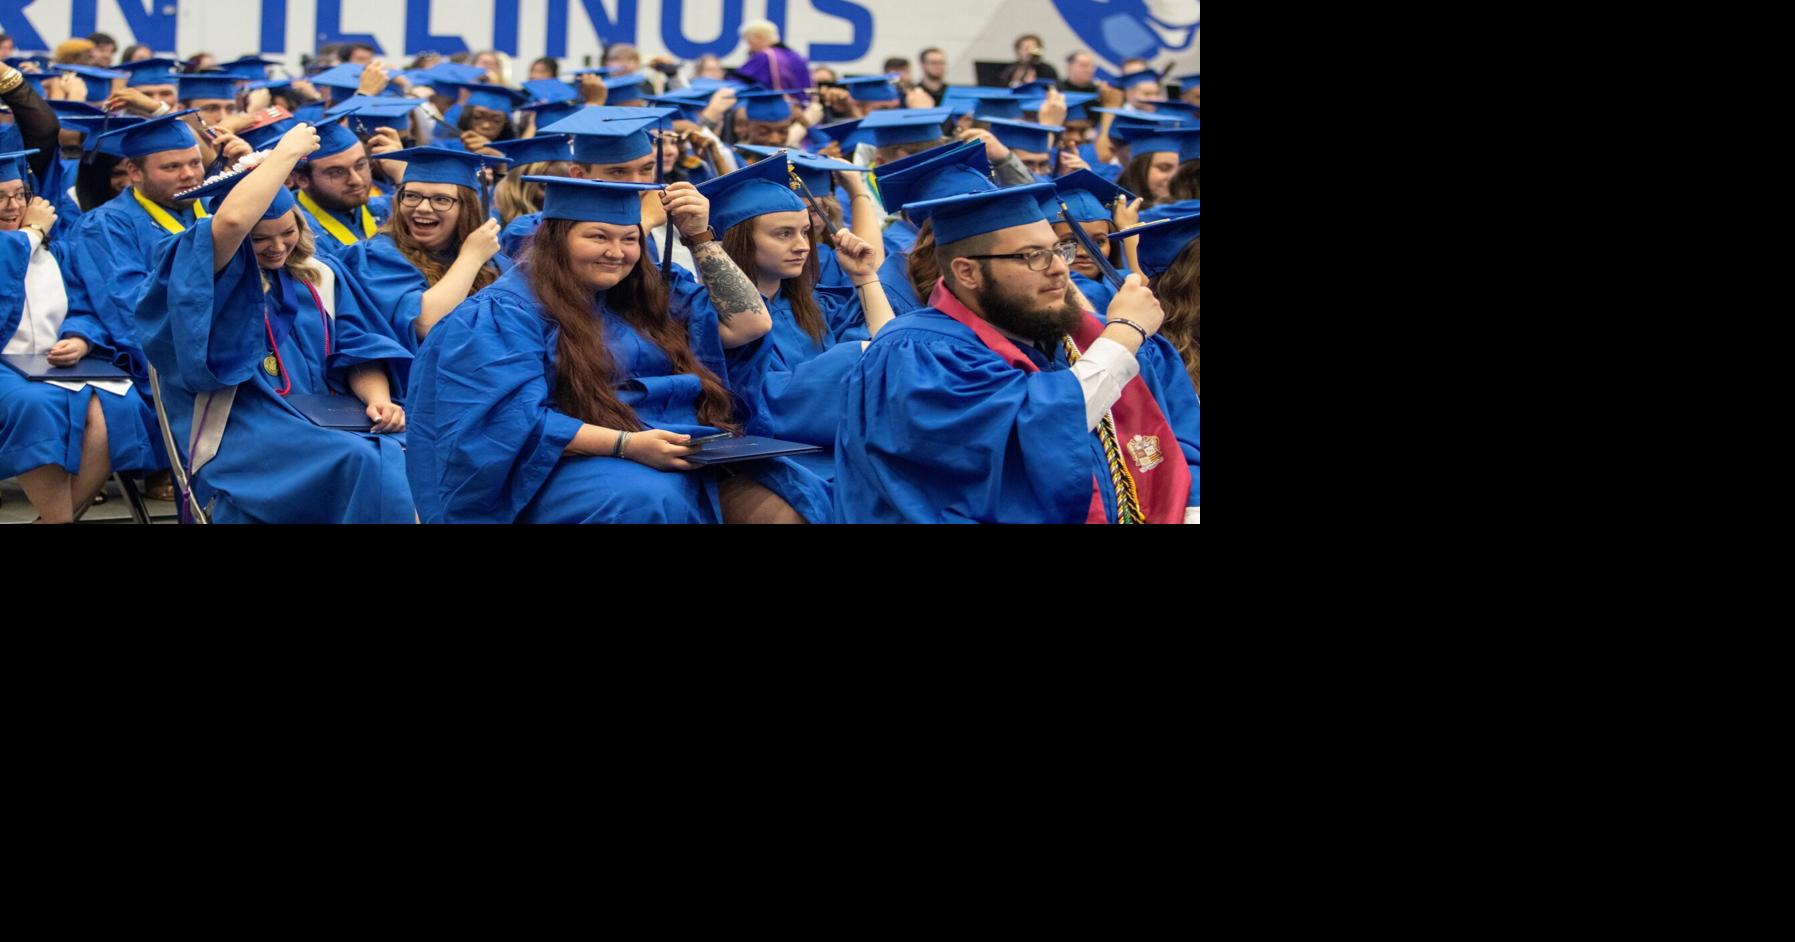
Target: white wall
x,y
964,29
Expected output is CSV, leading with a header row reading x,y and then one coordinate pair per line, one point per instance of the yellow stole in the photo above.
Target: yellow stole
x,y
335,227
161,215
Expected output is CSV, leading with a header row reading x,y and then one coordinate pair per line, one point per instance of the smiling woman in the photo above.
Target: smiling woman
x,y
566,392
436,251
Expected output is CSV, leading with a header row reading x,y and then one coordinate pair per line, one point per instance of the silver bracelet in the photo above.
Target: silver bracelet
x,y
622,442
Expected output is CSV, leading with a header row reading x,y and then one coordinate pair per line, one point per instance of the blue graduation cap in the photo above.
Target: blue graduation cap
x,y
549,112
74,109
1144,139
19,62
495,97
441,165
1087,195
13,166
1182,109
99,81
151,136
845,133
214,190
249,68
91,126
1132,79
1186,81
538,149
709,86
768,105
151,72
550,90
871,88
374,111
608,135
935,174
268,135
207,85
1140,117
1022,135
689,109
1035,89
619,204
1190,145
333,139
346,76
1162,240
628,88
905,125
984,103
273,85
815,170
755,190
599,70
970,214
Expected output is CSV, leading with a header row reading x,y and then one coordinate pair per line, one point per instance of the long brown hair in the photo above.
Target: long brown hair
x,y
1134,179
1180,291
1187,183
924,269
467,219
585,372
299,261
738,244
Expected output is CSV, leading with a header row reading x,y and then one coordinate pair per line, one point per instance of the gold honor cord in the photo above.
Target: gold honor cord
x,y
1128,500
335,227
161,215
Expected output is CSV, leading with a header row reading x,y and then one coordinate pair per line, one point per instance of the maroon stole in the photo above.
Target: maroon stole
x,y
1161,475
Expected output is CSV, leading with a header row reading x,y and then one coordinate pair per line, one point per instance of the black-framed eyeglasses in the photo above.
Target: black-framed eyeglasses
x,y
1041,259
441,204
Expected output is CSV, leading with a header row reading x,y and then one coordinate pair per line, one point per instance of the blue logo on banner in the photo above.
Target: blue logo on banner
x,y
1123,29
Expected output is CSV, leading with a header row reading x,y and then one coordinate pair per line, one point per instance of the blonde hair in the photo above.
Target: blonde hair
x,y
766,28
73,52
513,197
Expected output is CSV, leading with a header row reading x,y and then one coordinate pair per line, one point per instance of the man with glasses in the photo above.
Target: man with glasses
x,y
336,187
1003,402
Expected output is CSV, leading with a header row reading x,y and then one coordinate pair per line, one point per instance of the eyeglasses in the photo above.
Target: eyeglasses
x,y
1041,259
441,204
14,199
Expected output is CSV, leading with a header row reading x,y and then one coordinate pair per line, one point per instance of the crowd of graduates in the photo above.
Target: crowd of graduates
x,y
552,300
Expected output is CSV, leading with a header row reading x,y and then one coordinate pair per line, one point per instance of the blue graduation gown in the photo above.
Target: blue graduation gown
x,y
894,277
115,248
206,334
487,438
937,428
41,424
792,384
389,288
380,206
1098,292
58,179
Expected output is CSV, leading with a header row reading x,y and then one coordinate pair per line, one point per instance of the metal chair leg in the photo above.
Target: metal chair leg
x,y
133,500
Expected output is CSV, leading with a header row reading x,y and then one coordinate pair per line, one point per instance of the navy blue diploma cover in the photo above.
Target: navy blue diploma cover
x,y
748,448
37,368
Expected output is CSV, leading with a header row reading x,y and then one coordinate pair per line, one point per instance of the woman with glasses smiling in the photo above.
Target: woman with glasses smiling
x,y
438,249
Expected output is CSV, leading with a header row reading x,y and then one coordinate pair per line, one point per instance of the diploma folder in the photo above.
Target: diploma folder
x,y
344,412
37,368
747,448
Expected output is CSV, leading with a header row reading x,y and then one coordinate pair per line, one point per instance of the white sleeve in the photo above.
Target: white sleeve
x,y
1102,371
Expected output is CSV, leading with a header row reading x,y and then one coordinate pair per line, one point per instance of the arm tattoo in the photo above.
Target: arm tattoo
x,y
730,289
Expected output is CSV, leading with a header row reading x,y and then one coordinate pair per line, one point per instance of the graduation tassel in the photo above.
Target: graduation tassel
x,y
485,192
810,198
1090,246
660,176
